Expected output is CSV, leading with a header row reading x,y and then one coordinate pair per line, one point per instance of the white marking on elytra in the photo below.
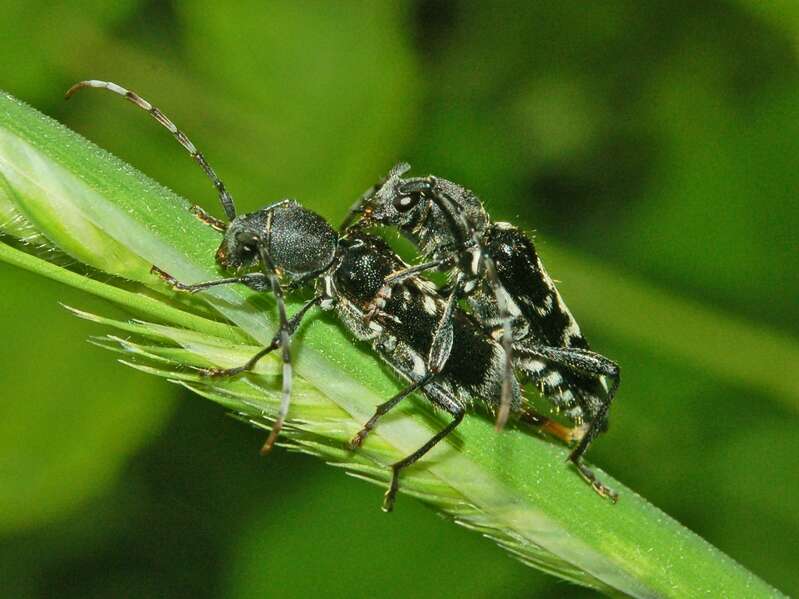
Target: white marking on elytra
x,y
553,379
429,305
572,329
391,317
546,308
425,286
419,368
476,255
576,414
510,304
545,275
536,365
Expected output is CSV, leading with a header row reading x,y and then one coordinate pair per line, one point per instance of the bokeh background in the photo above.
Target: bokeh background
x,y
653,145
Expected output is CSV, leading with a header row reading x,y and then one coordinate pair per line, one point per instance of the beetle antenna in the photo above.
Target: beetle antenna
x,y
224,197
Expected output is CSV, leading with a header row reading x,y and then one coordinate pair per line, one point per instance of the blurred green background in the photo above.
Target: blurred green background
x,y
651,145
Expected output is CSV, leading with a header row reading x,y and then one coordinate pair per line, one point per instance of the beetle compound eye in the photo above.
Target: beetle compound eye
x,y
404,203
247,241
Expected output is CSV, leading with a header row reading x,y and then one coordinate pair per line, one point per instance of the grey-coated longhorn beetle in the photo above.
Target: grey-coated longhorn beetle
x,y
292,245
495,267
442,352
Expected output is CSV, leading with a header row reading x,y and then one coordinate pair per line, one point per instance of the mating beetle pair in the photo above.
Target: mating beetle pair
x,y
517,331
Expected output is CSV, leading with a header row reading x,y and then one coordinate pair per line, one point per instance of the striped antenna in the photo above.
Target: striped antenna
x,y
224,197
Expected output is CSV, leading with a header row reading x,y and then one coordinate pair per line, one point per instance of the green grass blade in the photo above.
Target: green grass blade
x,y
513,487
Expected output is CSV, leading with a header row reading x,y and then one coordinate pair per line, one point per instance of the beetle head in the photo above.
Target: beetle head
x,y
293,240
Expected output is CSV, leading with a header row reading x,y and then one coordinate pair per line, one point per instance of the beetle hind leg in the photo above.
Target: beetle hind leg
x,y
397,467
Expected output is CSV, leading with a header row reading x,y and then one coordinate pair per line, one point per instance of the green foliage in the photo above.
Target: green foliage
x,y
658,141
514,489
38,457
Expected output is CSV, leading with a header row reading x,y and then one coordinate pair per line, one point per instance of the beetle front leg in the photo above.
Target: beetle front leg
x,y
256,281
293,324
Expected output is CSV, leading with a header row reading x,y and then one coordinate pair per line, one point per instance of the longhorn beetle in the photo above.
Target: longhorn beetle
x,y
293,245
496,268
453,373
